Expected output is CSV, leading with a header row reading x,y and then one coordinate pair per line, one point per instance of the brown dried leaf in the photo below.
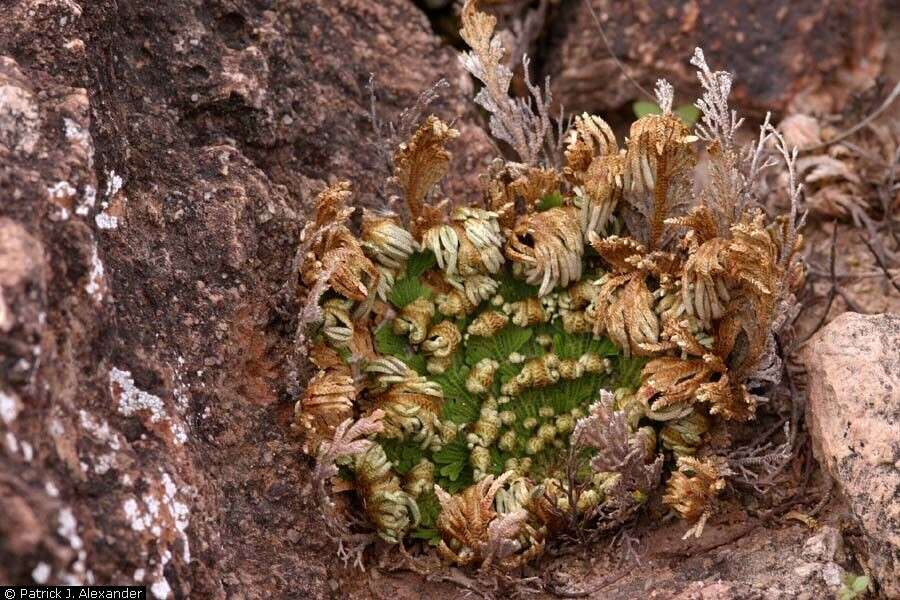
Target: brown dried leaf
x,y
423,161
625,311
465,518
534,184
692,490
671,382
589,138
327,402
547,246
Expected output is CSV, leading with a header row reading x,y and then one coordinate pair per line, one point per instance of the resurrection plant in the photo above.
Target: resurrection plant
x,y
553,356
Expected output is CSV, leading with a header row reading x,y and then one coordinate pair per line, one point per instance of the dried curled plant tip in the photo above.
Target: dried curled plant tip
x,y
659,148
512,120
386,242
589,138
327,402
473,533
547,247
392,510
693,489
421,162
335,255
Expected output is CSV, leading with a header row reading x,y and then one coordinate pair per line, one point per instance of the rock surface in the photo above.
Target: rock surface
x,y
811,54
156,164
853,414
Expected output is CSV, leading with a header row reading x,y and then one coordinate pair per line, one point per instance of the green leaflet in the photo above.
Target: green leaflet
x,y
407,290
499,347
429,509
460,405
402,454
388,342
512,289
452,469
419,262
573,345
628,371
550,201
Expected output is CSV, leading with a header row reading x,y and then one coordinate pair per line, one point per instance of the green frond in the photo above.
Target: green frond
x,y
429,509
499,347
550,201
407,290
452,469
460,405
403,454
388,342
419,262
514,290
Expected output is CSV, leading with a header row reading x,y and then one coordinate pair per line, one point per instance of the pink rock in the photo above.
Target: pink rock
x,y
853,414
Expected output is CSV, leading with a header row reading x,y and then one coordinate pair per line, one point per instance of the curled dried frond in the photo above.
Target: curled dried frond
x,y
589,138
512,120
625,458
468,251
442,341
547,248
658,160
327,402
392,510
414,319
473,533
386,242
481,242
331,256
624,310
454,303
692,490
683,436
727,399
535,184
669,385
421,162
350,440
411,416
526,313
704,286
488,323
620,253
603,187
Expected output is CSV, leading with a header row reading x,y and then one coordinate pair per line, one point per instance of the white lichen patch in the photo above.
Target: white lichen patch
x,y
10,406
41,573
106,221
81,136
160,587
11,442
61,190
51,489
67,528
161,514
88,201
94,286
132,401
103,219
100,431
113,184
